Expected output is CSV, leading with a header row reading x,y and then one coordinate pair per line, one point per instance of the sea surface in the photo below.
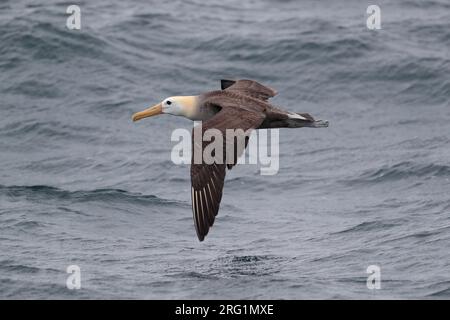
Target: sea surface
x,y
80,184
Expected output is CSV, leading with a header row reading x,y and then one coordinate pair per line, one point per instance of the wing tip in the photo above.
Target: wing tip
x,y
225,83
201,236
253,88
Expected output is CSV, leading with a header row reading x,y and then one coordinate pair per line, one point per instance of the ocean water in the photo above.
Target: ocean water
x,y
80,184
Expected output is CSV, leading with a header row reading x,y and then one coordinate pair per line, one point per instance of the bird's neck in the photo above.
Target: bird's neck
x,y
190,106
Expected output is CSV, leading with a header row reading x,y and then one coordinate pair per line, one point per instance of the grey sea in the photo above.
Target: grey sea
x,y
80,184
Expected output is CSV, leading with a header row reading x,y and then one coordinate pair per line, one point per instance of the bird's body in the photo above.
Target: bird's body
x,y
241,104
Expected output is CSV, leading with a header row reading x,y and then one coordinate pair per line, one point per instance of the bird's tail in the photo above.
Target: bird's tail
x,y
298,120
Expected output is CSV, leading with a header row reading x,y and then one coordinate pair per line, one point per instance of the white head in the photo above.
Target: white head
x,y
185,106
179,105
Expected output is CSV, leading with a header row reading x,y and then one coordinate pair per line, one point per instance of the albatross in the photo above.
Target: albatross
x,y
240,104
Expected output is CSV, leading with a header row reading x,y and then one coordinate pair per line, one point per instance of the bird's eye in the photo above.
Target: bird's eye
x,y
169,102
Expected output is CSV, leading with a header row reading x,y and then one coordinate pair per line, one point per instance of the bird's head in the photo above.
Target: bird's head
x,y
185,106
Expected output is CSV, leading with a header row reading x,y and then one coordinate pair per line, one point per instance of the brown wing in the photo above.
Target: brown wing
x,y
249,88
207,177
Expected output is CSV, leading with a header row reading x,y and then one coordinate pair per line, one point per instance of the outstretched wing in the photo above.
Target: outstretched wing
x,y
207,177
249,88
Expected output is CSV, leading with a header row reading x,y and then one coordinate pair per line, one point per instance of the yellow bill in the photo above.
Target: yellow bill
x,y
150,112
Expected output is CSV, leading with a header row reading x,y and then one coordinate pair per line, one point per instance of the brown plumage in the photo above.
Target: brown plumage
x,y
241,104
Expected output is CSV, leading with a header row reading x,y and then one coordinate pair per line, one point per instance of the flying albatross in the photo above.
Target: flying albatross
x,y
241,104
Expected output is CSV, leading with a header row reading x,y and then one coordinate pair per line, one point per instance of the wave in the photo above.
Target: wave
x,y
96,195
441,293
46,41
427,4
257,49
48,129
18,268
193,275
345,55
402,170
369,226
253,266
